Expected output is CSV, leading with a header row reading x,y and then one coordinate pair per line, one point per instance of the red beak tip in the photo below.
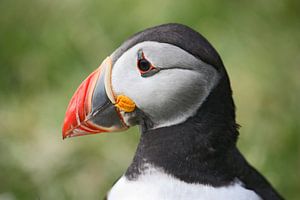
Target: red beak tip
x,y
64,136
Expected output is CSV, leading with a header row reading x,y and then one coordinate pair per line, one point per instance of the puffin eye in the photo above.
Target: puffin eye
x,y
144,65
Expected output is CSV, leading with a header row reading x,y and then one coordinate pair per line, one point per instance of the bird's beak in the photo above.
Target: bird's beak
x,y
94,107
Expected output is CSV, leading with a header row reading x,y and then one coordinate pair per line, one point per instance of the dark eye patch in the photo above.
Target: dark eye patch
x,y
144,66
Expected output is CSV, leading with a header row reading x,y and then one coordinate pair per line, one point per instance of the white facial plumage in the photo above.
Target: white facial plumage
x,y
171,95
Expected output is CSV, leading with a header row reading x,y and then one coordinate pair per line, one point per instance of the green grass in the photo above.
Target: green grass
x,y
49,47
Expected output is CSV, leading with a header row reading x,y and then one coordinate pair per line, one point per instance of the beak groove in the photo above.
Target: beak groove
x,y
92,108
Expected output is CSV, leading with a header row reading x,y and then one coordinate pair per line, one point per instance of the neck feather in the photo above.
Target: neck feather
x,y
200,150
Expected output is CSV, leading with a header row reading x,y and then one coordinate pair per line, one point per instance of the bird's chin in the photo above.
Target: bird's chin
x,y
130,119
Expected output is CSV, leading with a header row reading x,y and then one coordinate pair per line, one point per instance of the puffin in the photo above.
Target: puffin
x,y
171,82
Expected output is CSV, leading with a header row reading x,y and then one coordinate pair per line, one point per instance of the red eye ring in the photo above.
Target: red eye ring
x,y
143,64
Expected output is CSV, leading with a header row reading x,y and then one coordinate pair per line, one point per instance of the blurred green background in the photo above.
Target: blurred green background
x,y
47,47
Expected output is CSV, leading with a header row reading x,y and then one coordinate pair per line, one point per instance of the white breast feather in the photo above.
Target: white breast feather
x,y
156,185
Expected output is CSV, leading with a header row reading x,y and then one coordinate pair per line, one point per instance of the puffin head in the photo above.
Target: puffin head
x,y
160,77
